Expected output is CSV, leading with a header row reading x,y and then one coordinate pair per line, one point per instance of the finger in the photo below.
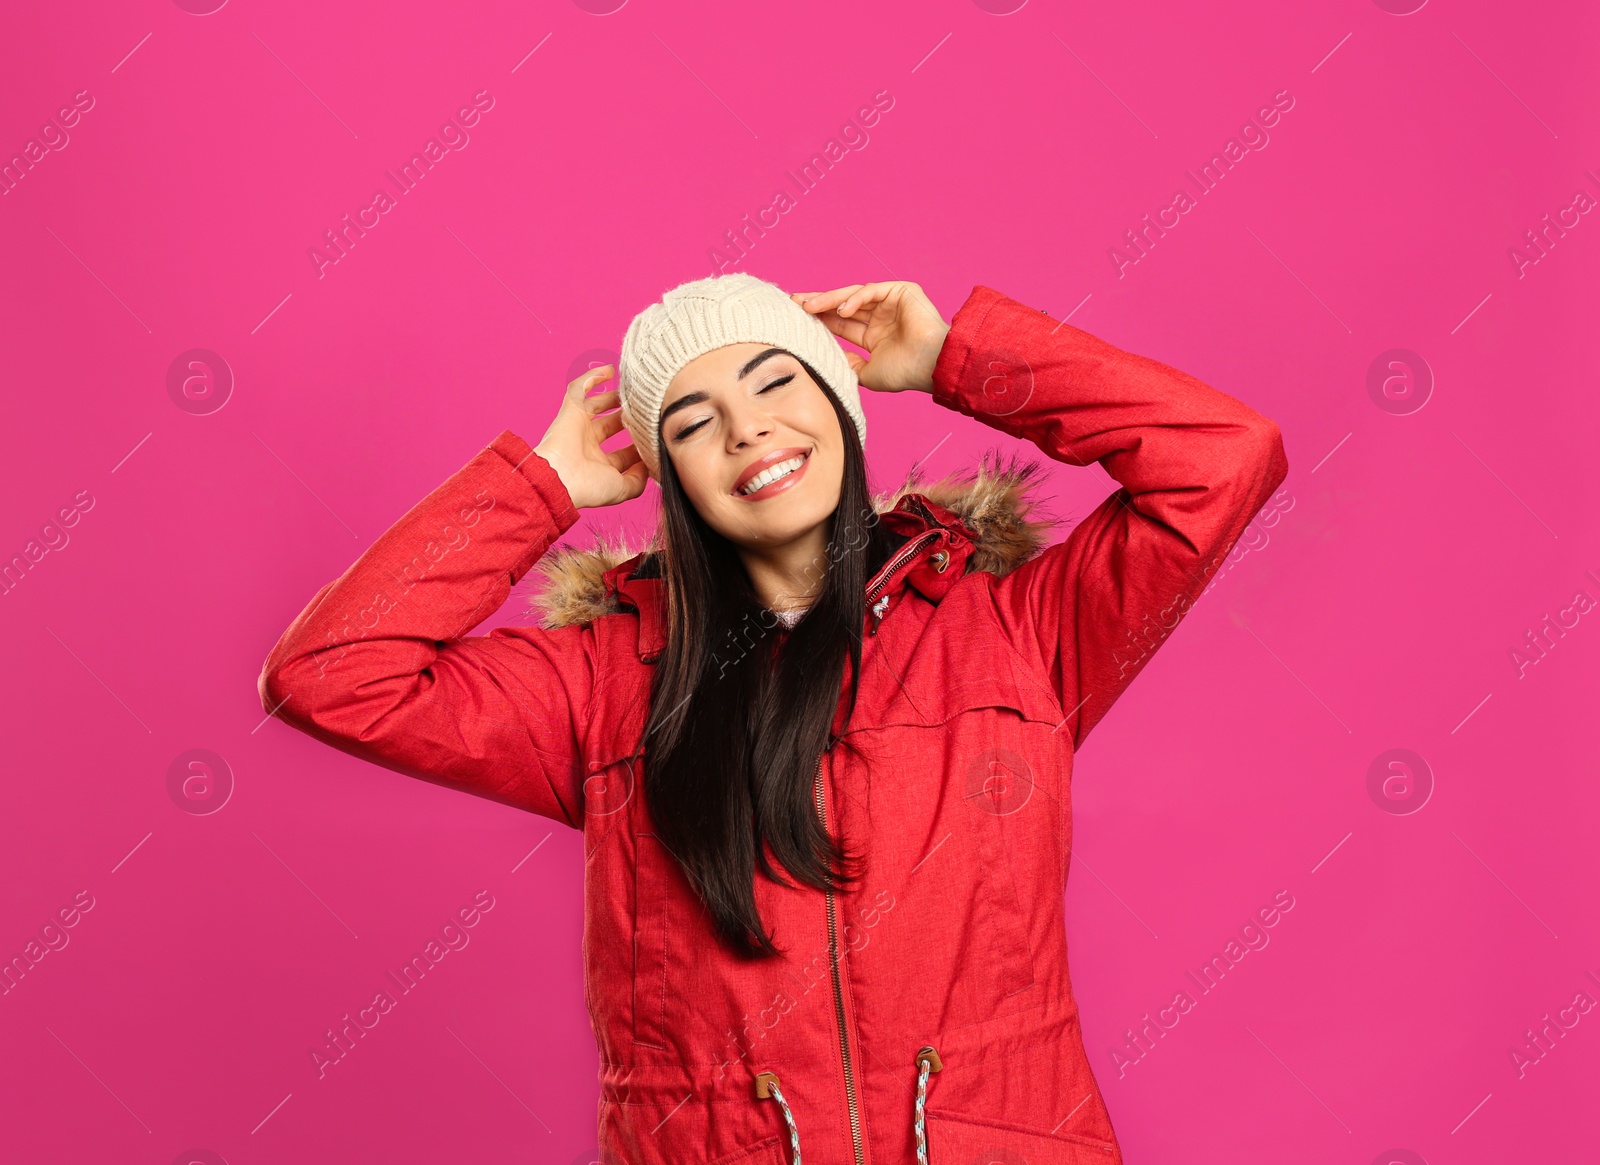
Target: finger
x,y
601,403
866,375
853,330
608,425
828,300
864,296
624,458
580,387
635,480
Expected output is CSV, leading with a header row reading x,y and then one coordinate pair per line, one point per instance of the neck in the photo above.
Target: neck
x,y
788,577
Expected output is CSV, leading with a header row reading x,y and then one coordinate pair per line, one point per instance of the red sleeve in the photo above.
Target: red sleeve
x,y
1194,466
377,665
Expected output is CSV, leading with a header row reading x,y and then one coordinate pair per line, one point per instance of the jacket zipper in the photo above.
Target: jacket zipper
x,y
906,553
838,999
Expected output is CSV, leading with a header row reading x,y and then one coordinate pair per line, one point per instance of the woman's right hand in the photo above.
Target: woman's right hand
x,y
571,445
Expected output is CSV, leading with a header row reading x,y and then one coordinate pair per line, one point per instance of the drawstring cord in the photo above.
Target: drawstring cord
x,y
927,1061
767,1085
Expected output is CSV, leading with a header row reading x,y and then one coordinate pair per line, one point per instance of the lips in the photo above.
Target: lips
x,y
762,464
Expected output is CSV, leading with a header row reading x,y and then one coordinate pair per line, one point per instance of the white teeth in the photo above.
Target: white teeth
x,y
771,474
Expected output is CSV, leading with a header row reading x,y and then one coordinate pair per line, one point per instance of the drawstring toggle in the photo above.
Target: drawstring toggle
x,y
767,1086
927,1062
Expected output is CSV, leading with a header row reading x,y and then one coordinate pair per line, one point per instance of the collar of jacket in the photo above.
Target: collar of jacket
x,y
981,519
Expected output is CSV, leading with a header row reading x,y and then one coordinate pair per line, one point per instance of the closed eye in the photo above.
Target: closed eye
x,y
690,430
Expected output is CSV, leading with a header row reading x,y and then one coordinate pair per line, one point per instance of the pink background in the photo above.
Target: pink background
x,y
1375,608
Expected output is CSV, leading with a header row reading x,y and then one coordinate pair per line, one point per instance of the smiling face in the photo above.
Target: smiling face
x,y
755,442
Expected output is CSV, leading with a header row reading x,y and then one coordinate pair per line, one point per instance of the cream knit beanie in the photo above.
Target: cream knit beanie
x,y
694,318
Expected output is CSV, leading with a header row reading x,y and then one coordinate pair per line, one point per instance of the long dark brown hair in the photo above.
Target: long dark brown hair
x,y
737,727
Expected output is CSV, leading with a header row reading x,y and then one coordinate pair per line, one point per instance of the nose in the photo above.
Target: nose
x,y
747,425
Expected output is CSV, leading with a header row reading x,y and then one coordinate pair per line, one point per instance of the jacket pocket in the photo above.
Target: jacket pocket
x,y
773,1150
653,866
1020,1084
962,1138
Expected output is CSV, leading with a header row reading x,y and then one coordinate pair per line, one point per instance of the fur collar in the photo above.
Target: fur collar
x,y
993,502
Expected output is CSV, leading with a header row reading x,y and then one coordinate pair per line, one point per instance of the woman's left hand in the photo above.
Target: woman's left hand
x,y
895,322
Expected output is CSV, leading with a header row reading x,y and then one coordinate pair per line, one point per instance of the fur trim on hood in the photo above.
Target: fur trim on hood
x,y
995,502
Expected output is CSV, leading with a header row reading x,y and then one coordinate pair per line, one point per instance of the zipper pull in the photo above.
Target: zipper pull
x,y
878,610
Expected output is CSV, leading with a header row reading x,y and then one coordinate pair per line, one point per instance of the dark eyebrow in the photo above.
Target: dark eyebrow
x,y
694,398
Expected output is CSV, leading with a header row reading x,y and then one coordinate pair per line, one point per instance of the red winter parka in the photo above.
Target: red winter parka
x,y
933,999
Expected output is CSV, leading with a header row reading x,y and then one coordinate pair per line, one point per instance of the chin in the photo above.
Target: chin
x,y
780,521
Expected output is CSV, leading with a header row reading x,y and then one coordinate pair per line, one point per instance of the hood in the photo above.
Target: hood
x,y
992,506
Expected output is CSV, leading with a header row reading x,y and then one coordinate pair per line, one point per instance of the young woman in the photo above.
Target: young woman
x,y
820,745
